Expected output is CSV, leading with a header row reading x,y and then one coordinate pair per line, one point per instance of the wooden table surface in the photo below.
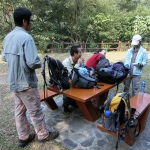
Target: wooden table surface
x,y
85,95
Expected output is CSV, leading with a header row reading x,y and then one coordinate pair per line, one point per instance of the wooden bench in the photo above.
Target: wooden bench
x,y
49,100
142,105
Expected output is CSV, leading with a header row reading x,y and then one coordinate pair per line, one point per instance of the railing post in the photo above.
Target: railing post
x,y
129,44
119,44
62,47
83,45
102,44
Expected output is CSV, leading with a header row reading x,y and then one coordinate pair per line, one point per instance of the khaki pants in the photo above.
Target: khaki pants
x,y
135,84
29,101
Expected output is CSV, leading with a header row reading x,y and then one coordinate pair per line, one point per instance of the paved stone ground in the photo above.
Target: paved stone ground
x,y
76,133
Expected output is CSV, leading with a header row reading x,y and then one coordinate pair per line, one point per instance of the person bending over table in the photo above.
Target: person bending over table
x,y
95,58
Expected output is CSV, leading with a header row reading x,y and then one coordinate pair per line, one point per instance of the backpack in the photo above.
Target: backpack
x,y
82,78
121,112
57,72
113,74
102,63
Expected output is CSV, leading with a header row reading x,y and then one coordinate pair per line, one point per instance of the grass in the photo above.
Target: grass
x,y
8,134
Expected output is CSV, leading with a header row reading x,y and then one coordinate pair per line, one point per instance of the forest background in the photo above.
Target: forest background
x,y
80,20
70,21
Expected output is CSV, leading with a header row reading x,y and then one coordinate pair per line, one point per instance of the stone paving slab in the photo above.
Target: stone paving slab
x,y
76,133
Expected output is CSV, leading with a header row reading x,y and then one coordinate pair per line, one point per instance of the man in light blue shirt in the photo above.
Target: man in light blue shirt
x,y
136,59
20,52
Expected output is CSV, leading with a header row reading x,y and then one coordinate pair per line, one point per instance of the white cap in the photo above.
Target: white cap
x,y
136,39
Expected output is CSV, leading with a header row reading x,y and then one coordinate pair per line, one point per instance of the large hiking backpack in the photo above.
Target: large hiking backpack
x,y
57,72
121,113
102,63
84,77
113,74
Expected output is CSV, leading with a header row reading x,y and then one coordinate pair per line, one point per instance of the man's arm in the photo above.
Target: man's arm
x,y
145,58
68,65
31,56
127,59
143,61
3,55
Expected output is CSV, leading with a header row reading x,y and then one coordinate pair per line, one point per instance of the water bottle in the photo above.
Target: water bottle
x,y
107,113
91,73
108,119
82,64
143,85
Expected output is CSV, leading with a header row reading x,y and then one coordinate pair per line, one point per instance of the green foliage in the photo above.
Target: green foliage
x,y
80,20
141,25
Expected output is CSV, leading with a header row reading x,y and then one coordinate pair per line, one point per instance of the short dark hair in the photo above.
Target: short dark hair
x,y
99,50
74,49
21,14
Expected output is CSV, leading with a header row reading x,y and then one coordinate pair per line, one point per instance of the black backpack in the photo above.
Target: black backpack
x,y
57,72
102,63
113,74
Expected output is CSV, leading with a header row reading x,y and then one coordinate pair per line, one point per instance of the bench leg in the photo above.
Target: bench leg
x,y
130,137
102,98
51,103
143,118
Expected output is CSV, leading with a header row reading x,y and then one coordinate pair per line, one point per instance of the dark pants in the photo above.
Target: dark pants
x,y
68,101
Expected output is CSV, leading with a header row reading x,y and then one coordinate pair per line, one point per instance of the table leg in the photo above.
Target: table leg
x,y
89,112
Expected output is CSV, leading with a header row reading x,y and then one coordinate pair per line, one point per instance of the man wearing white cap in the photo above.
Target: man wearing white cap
x,y
136,59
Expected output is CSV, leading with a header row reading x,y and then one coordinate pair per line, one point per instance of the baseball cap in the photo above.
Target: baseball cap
x,y
136,39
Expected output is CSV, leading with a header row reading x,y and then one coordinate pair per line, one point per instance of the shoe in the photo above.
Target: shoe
x,y
67,110
74,104
52,135
23,143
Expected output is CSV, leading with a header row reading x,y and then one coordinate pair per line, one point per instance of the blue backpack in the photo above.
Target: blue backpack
x,y
81,78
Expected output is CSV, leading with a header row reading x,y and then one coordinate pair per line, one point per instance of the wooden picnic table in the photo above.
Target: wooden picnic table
x,y
84,97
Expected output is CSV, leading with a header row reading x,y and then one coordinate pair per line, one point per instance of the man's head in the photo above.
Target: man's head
x,y
136,40
23,18
102,51
76,51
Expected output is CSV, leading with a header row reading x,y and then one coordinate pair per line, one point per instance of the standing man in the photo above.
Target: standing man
x,y
136,59
74,60
20,52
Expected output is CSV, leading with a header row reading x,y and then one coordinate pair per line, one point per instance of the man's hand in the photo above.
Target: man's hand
x,y
80,60
137,65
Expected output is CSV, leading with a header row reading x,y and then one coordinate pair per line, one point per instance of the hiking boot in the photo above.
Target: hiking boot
x,y
67,110
74,104
23,143
52,135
